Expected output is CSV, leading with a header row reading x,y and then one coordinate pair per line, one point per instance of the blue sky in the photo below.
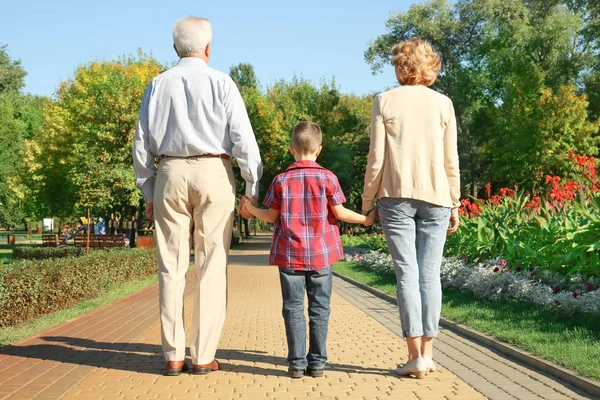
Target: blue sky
x,y
313,39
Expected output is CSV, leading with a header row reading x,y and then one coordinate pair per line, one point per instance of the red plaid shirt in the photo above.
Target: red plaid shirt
x,y
306,236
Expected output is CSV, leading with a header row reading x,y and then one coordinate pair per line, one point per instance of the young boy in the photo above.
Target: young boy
x,y
305,203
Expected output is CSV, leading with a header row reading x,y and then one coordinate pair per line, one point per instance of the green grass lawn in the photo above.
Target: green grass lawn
x,y
570,341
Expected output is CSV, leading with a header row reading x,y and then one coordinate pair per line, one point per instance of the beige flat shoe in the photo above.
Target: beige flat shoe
x,y
430,364
417,368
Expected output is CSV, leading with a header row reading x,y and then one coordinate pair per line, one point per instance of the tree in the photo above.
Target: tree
x,y
20,117
12,74
82,157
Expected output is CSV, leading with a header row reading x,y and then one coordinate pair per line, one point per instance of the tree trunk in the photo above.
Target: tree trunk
x,y
87,244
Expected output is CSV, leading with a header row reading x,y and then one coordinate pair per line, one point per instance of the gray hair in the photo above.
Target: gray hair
x,y
191,35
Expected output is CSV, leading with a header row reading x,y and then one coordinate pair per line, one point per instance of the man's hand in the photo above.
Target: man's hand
x,y
150,211
454,221
242,210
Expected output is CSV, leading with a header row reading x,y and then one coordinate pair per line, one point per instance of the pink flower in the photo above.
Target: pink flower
x,y
502,263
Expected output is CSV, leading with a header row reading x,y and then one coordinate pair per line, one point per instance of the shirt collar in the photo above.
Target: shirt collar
x,y
304,164
185,61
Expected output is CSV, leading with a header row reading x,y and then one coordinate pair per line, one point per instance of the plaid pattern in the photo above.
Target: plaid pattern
x,y
306,236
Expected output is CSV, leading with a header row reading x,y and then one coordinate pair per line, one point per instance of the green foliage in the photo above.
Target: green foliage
x,y
565,242
43,253
375,242
36,287
12,74
82,156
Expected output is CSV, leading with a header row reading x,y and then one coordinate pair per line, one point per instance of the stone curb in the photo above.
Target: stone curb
x,y
587,385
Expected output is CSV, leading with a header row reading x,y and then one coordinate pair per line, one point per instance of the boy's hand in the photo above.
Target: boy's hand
x,y
371,216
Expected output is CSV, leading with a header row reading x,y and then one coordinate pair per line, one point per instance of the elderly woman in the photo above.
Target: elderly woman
x,y
412,171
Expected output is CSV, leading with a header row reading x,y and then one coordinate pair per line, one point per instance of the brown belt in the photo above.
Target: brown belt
x,y
207,155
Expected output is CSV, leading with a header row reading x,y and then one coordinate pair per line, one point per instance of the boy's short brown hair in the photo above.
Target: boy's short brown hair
x,y
306,137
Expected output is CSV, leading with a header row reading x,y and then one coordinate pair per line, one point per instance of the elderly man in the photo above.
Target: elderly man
x,y
194,120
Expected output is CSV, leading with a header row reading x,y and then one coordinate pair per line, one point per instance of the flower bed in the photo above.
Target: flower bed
x,y
493,280
555,229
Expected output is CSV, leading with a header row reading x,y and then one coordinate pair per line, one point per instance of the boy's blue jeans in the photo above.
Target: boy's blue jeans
x,y
317,285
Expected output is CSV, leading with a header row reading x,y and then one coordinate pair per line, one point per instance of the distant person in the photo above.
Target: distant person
x,y
194,120
412,170
305,203
82,226
99,227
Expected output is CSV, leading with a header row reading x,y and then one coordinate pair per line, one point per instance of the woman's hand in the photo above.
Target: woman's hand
x,y
371,217
454,221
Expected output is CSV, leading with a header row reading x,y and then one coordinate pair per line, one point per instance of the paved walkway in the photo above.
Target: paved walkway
x,y
114,352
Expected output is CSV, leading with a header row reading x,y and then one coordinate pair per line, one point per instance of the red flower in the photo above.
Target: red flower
x,y
556,289
496,269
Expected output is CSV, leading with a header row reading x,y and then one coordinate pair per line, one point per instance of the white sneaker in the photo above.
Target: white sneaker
x,y
430,364
417,367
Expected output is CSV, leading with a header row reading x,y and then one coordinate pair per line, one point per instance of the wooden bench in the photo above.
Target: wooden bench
x,y
53,240
100,241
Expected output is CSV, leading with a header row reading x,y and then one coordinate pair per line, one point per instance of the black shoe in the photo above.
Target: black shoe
x,y
315,372
295,372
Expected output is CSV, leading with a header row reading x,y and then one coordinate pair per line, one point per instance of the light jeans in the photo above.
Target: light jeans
x,y
416,233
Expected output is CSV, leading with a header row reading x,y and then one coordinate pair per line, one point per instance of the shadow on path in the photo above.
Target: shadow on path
x,y
148,358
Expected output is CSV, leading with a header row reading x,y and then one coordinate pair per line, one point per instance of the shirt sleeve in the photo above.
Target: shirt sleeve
x,y
143,159
373,175
273,196
335,195
451,159
245,148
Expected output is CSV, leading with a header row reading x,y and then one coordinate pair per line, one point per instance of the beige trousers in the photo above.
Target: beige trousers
x,y
193,195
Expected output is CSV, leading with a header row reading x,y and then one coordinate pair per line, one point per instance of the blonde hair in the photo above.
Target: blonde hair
x,y
415,62
191,35
306,137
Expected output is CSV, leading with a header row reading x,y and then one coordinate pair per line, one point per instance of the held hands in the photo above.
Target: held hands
x,y
150,211
454,221
242,206
371,217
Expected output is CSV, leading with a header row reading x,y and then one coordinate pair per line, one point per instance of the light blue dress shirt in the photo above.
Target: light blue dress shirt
x,y
192,109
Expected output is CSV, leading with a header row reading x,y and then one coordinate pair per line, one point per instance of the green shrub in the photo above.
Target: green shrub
x,y
31,288
42,253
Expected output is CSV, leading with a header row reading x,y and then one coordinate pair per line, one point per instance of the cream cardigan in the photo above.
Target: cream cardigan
x,y
413,151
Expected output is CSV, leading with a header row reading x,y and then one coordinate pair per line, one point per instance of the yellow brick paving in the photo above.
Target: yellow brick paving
x,y
362,354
